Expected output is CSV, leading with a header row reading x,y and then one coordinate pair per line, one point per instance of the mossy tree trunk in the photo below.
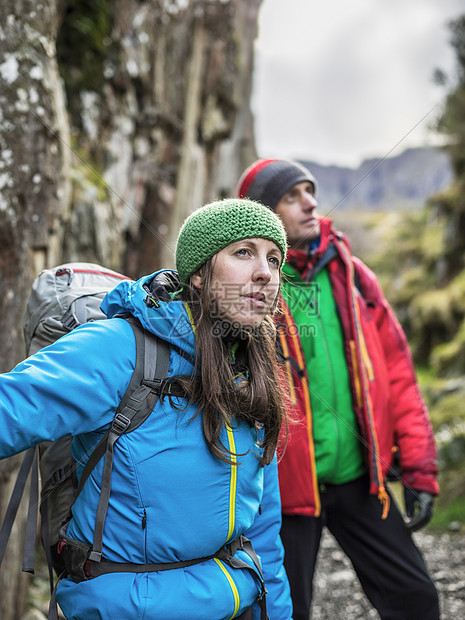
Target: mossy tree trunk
x,y
34,202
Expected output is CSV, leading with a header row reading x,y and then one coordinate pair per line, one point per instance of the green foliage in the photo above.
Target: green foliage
x,y
432,242
444,398
410,283
83,44
441,307
452,451
450,356
87,180
445,409
457,28
450,505
447,513
452,120
403,261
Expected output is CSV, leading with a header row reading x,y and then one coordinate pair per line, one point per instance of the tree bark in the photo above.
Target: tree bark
x,y
34,201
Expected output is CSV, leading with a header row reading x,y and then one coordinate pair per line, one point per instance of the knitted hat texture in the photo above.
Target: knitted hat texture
x,y
214,226
267,180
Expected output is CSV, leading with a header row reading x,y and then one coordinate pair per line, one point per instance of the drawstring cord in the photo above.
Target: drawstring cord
x,y
385,501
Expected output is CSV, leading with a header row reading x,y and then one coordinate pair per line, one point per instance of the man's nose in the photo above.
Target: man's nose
x,y
309,202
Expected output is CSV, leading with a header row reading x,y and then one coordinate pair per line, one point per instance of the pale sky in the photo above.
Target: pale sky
x,y
338,81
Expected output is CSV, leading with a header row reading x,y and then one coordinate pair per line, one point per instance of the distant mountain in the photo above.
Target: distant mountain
x,y
405,181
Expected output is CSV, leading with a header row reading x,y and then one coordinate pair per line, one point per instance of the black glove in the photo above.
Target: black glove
x,y
160,287
418,507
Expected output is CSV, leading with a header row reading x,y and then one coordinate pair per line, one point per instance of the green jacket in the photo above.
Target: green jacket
x,y
336,435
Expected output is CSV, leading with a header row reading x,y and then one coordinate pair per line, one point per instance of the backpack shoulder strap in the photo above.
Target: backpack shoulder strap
x,y
325,258
357,282
144,368
145,387
330,253
30,464
152,359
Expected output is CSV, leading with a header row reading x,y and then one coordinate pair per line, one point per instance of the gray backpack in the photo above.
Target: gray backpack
x,y
61,299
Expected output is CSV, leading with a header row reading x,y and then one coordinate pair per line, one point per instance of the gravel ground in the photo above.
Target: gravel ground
x,y
338,595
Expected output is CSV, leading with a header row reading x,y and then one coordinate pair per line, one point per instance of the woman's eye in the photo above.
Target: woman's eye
x,y
274,260
242,251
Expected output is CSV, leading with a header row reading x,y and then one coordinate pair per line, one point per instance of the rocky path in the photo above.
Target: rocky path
x,y
338,595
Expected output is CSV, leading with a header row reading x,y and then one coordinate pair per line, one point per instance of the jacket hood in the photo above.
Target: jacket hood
x,y
149,300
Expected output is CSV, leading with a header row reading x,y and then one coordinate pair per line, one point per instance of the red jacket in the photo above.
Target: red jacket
x,y
387,402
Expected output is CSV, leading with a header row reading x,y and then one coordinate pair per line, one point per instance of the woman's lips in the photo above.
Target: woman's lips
x,y
256,299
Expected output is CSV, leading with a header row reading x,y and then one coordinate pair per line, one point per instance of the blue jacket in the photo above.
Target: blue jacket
x,y
170,498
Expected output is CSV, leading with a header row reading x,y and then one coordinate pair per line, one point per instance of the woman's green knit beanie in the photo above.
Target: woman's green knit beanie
x,y
214,226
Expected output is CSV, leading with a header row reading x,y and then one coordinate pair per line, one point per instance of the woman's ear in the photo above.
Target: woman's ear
x,y
197,281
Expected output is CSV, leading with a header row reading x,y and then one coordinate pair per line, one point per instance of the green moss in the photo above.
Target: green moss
x,y
457,293
83,44
449,358
448,201
409,283
84,179
428,384
431,309
436,316
450,505
444,410
446,513
85,174
432,241
424,375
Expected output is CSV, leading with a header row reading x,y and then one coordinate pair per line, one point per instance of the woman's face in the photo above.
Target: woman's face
x,y
245,281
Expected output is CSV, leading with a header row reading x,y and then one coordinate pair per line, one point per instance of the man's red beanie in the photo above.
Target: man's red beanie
x,y
267,180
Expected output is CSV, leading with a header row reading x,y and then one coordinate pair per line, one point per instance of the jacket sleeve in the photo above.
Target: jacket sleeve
x,y
72,386
412,427
264,535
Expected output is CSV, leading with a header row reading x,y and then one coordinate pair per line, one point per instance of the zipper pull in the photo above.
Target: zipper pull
x,y
144,520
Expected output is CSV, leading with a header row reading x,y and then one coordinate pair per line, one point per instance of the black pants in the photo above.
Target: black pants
x,y
389,566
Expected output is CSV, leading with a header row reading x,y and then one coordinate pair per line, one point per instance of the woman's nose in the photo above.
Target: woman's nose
x,y
262,272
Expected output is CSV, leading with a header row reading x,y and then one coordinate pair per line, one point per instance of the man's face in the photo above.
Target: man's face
x,y
297,209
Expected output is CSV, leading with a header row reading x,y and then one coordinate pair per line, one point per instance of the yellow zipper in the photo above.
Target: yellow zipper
x,y
358,387
189,314
287,365
308,414
233,481
366,358
233,587
232,511
232,496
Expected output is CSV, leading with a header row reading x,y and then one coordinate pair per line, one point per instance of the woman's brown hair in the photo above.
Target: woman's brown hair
x,y
220,396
